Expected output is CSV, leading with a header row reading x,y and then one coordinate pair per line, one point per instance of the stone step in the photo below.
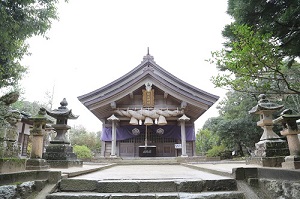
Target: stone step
x,y
146,186
149,162
140,161
165,195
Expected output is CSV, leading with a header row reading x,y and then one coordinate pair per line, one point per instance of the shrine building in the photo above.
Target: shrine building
x,y
148,112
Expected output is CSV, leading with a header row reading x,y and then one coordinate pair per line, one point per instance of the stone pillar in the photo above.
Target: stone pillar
x,y
291,131
38,131
37,144
182,120
9,147
113,120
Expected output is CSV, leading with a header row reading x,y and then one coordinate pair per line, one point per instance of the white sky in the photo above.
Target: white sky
x,y
97,41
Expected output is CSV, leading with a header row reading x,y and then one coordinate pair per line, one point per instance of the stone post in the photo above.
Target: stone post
x,y
8,130
182,120
38,131
270,150
291,131
113,120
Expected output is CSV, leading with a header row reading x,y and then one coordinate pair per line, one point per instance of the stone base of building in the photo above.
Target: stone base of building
x,y
291,162
267,161
65,163
37,164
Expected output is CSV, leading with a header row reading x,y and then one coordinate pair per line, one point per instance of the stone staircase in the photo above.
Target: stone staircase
x,y
165,188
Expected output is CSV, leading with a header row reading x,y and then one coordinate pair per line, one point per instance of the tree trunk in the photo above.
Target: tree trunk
x,y
241,149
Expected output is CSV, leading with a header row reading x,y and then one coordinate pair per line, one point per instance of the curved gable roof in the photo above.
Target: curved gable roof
x,y
148,70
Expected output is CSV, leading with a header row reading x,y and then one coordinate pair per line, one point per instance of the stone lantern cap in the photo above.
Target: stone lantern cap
x,y
62,111
41,117
264,105
288,120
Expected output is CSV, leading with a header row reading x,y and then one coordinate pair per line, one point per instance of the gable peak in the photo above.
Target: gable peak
x,y
148,57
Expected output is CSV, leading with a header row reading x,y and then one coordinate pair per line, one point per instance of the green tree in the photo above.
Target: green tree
x,y
216,151
20,20
280,18
236,129
261,48
80,136
292,102
205,140
31,108
253,62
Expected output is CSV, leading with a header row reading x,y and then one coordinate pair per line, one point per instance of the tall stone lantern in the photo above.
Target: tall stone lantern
x,y
59,153
291,131
36,162
270,150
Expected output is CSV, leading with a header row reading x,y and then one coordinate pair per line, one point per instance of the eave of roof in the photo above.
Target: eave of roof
x,y
139,71
147,70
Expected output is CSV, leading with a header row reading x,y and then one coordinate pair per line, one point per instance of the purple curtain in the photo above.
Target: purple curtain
x,y
166,131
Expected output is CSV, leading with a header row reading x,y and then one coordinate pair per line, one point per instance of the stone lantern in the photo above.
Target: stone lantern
x,y
270,150
38,132
59,153
291,131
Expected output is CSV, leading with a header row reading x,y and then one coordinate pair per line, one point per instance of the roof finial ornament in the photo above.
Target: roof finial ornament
x,y
148,57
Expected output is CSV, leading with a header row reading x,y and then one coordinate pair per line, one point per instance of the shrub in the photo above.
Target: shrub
x,y
216,151
82,152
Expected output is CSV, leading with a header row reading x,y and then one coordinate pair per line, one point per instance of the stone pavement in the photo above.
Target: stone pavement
x,y
149,172
185,170
86,168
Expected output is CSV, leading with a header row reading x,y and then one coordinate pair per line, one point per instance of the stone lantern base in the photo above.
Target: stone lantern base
x,y
37,164
270,153
61,156
65,163
291,162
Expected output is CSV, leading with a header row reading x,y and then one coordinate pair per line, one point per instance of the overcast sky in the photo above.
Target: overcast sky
x,y
97,41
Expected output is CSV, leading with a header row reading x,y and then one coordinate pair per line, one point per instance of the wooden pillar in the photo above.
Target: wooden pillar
x,y
113,120
182,120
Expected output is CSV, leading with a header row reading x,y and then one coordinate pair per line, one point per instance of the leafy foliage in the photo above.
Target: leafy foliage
x,y
236,129
280,18
80,136
205,140
253,62
292,102
216,151
31,108
20,20
261,49
82,152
